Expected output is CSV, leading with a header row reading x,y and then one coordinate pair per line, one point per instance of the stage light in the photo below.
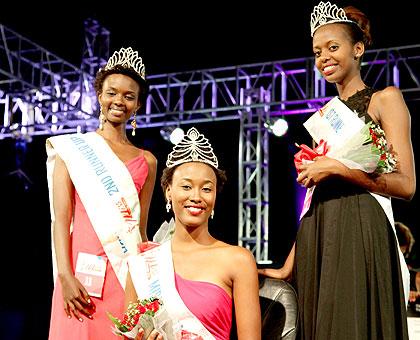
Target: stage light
x,y
277,127
176,135
173,134
280,127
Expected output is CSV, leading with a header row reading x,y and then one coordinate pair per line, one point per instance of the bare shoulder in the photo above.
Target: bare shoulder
x,y
150,159
390,94
389,104
241,264
238,255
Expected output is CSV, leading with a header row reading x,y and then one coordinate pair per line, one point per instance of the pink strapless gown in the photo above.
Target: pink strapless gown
x,y
209,303
84,239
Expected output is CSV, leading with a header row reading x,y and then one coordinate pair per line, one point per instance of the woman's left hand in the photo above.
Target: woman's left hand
x,y
313,173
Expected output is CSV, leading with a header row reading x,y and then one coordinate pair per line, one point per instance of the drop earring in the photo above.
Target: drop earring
x,y
134,125
168,206
101,119
212,214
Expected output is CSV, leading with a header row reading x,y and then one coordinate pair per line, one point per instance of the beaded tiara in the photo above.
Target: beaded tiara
x,y
126,57
194,147
326,13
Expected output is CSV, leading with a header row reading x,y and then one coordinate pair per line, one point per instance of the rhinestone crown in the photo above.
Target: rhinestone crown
x,y
126,57
194,147
326,13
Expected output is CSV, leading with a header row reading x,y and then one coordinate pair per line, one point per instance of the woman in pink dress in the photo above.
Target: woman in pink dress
x,y
76,228
210,276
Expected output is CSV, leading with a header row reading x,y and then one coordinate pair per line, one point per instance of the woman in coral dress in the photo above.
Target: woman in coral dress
x,y
100,191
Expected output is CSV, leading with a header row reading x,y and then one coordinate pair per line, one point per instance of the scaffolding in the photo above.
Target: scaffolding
x,y
42,94
253,171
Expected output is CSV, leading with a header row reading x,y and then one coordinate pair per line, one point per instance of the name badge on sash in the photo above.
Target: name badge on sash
x,y
334,123
90,271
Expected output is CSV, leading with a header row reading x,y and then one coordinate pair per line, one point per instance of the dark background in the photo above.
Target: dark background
x,y
172,36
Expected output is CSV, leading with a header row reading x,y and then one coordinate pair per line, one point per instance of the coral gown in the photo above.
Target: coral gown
x,y
84,239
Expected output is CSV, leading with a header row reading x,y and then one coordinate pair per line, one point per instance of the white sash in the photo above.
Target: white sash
x,y
385,203
153,274
106,190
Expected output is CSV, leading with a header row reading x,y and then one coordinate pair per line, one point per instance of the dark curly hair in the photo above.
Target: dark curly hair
x,y
168,173
102,74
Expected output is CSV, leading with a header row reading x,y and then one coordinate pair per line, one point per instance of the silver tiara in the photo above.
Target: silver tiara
x,y
126,57
327,13
194,147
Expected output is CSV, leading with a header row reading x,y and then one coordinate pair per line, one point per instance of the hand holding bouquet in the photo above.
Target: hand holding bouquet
x,y
366,150
307,155
348,139
139,314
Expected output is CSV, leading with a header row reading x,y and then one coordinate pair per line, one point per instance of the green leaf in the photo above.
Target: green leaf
x,y
117,323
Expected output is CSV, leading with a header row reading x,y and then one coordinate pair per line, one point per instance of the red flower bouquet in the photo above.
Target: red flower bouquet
x,y
139,314
387,160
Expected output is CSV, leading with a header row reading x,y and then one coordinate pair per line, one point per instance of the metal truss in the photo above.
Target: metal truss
x,y
41,94
295,87
96,47
253,94
253,174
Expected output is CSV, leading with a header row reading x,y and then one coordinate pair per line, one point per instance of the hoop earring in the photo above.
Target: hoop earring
x,y
212,214
134,124
102,119
168,206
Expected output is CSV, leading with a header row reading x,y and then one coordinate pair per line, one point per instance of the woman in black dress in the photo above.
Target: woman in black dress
x,y
345,260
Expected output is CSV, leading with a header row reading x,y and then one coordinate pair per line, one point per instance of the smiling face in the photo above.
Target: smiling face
x,y
335,54
192,193
119,98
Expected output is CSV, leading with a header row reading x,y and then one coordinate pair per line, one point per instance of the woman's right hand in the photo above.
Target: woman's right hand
x,y
282,273
75,298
